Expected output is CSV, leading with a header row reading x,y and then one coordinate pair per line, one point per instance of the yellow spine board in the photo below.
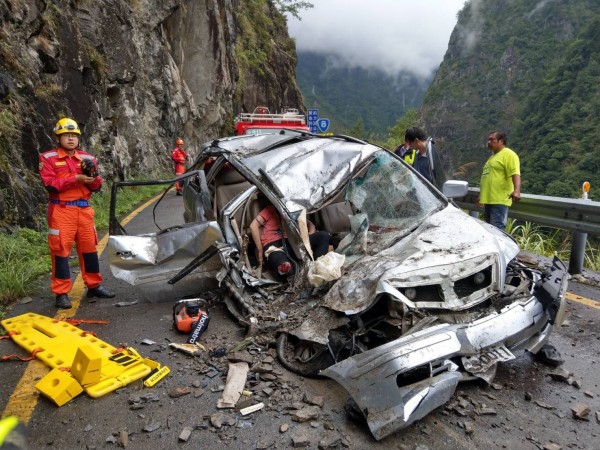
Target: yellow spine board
x,y
96,365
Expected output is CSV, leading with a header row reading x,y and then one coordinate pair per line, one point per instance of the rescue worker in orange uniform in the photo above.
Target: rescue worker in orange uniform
x,y
179,157
70,176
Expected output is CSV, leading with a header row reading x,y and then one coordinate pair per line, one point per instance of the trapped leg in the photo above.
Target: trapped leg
x,y
276,260
319,242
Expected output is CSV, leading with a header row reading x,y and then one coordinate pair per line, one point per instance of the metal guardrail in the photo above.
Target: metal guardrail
x,y
565,213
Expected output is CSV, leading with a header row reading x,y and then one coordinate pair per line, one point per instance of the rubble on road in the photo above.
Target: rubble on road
x,y
332,441
580,411
560,374
236,380
251,409
152,426
123,439
190,349
179,391
264,386
300,439
185,434
219,420
552,446
306,414
544,405
121,304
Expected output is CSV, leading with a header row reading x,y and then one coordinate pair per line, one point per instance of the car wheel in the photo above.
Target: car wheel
x,y
302,357
353,412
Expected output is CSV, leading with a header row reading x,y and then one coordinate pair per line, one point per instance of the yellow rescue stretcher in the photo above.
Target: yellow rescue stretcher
x,y
79,360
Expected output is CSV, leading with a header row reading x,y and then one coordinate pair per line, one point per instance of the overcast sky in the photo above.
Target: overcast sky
x,y
387,34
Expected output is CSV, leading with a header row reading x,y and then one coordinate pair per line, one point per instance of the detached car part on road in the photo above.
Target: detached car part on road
x,y
427,297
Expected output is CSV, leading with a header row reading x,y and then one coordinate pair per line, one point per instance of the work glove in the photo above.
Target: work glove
x,y
88,168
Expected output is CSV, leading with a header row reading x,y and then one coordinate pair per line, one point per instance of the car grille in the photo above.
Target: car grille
x,y
430,293
466,286
463,288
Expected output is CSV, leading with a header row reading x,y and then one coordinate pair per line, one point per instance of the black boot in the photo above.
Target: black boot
x,y
62,301
100,292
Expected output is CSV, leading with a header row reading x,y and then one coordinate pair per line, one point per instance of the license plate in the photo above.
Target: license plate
x,y
485,360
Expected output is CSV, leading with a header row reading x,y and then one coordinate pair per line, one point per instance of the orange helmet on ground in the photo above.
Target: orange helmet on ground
x,y
179,141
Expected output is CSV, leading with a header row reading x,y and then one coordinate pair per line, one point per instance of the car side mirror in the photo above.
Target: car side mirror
x,y
455,188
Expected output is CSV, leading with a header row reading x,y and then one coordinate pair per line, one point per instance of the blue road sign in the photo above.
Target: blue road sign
x,y
323,125
313,116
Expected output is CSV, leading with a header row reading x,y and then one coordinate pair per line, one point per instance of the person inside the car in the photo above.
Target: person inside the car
x,y
271,242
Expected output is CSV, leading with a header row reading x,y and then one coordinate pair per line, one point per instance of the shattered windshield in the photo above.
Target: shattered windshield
x,y
389,201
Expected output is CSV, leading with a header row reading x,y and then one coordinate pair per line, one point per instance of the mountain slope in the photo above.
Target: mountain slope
x,y
530,69
346,95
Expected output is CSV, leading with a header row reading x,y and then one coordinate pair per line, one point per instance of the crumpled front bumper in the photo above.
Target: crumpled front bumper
x,y
374,378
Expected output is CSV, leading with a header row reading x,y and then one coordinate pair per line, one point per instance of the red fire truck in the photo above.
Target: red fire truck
x,y
261,121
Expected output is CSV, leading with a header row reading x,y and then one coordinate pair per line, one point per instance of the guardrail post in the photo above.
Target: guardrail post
x,y
579,241
577,253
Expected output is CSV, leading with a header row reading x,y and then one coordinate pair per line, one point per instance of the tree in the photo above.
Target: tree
x,y
292,7
396,133
358,130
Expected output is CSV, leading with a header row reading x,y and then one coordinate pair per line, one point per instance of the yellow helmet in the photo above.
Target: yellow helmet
x,y
66,125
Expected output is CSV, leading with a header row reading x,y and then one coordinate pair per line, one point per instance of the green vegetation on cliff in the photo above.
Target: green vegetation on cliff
x,y
531,69
560,124
266,55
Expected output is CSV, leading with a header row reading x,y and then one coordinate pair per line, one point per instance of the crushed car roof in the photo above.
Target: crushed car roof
x,y
284,160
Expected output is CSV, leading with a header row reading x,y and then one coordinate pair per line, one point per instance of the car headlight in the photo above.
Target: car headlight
x,y
479,278
410,293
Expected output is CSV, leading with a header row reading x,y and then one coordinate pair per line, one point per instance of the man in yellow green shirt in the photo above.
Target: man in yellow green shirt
x,y
500,181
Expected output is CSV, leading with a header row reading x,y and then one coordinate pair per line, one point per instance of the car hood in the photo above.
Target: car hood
x,y
447,247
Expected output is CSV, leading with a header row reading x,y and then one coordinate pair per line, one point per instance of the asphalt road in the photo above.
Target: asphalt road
x,y
524,408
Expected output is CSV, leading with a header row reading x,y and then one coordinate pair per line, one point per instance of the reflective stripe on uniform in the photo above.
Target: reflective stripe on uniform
x,y
53,232
49,155
6,426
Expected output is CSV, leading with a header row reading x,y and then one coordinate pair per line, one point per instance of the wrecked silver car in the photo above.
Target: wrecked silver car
x,y
414,296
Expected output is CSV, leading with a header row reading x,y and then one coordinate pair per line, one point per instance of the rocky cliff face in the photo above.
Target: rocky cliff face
x,y
135,75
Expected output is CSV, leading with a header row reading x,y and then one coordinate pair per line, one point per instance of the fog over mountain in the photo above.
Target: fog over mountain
x,y
390,35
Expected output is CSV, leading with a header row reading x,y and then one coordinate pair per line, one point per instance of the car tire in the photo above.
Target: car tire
x,y
287,348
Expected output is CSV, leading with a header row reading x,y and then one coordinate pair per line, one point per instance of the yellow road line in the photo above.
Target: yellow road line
x,y
24,398
584,301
